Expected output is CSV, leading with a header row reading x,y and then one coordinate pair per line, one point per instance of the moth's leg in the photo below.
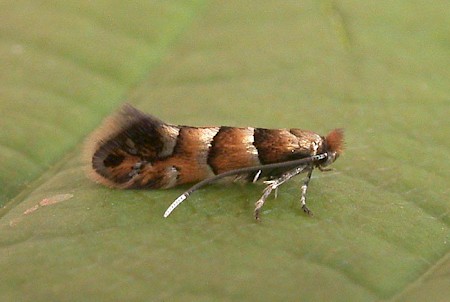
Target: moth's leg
x,y
256,177
304,189
273,185
260,202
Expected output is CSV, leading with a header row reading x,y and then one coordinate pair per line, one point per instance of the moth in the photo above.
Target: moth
x,y
134,150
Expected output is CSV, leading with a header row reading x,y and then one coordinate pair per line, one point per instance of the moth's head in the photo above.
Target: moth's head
x,y
333,146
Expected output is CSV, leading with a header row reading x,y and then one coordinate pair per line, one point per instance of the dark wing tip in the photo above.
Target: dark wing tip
x,y
106,147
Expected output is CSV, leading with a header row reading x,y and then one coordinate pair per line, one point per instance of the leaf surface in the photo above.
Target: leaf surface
x,y
380,70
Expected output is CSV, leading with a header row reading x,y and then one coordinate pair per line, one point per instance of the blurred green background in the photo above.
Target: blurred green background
x,y
381,229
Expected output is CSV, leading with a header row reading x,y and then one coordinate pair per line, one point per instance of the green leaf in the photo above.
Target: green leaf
x,y
381,228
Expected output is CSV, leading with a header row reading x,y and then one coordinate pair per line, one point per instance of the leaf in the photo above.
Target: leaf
x,y
381,228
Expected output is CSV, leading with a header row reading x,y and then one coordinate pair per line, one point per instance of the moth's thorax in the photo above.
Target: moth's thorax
x,y
308,140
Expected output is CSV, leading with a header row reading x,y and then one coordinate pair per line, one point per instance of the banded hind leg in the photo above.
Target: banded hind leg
x,y
304,188
274,184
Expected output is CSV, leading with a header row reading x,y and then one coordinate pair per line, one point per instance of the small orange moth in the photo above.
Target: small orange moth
x,y
134,150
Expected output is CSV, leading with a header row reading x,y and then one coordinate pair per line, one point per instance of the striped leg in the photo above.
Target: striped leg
x,y
274,184
304,189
